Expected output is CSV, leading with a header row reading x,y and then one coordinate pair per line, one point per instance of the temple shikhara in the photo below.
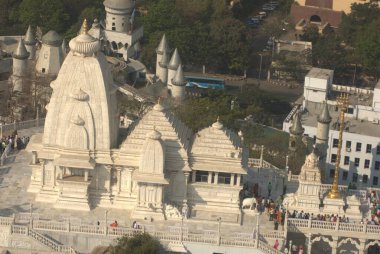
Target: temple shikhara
x,y
80,162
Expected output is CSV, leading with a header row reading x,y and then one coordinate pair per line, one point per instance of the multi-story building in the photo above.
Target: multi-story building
x,y
360,161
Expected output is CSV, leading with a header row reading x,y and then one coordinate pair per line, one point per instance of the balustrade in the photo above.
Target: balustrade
x,y
317,224
19,230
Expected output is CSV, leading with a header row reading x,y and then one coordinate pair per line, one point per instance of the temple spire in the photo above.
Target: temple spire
x,y
84,29
324,117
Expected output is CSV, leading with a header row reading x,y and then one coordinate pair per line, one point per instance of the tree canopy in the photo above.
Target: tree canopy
x,y
139,244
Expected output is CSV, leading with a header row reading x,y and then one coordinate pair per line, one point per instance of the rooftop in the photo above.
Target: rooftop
x,y
319,73
309,118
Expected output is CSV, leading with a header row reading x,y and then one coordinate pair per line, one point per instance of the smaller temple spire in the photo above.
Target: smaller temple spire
x,y
296,128
324,117
165,59
84,28
21,52
175,61
30,38
163,46
179,78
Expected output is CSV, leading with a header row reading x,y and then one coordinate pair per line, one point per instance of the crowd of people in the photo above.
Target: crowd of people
x,y
21,142
321,217
374,201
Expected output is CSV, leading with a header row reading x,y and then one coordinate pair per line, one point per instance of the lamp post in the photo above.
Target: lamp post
x,y
342,101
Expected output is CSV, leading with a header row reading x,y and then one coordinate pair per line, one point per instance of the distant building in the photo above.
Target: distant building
x,y
360,161
119,32
321,12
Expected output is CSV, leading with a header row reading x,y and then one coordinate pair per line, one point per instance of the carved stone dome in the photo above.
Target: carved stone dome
x,y
52,38
84,44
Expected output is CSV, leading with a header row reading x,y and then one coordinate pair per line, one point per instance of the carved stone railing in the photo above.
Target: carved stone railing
x,y
256,163
22,125
6,221
174,234
365,231
50,243
267,249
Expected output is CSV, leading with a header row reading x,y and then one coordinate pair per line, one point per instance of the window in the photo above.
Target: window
x,y
332,173
369,148
344,175
357,162
377,149
365,178
348,144
201,176
377,165
354,177
350,110
43,70
366,163
335,142
346,160
224,178
375,180
333,158
358,147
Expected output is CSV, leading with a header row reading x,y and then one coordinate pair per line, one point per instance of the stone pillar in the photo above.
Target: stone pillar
x,y
209,177
42,163
362,248
86,175
334,245
216,178
186,186
232,179
238,180
118,179
34,158
309,243
193,174
108,181
129,179
55,175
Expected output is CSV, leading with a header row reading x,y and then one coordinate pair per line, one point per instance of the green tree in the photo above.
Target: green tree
x,y
368,47
139,244
48,14
310,33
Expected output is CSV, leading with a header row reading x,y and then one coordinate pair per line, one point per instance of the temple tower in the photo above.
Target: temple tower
x,y
81,120
51,56
118,14
174,63
178,85
30,43
323,128
296,131
163,67
162,48
20,60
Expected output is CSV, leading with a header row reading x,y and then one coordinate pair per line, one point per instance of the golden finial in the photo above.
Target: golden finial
x,y
217,119
84,27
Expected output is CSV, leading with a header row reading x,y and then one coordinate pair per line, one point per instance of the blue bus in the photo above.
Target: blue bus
x,y
204,82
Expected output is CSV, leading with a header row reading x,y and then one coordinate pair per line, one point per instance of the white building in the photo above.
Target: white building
x,y
119,32
360,161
